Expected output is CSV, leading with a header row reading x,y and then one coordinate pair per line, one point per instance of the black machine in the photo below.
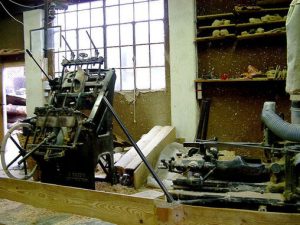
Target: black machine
x,y
271,182
70,135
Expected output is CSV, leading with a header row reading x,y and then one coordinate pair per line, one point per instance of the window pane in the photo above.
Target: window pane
x,y
58,45
84,41
141,11
158,78
97,17
84,18
143,78
139,0
118,80
112,33
125,1
112,2
142,55
84,6
126,57
72,7
126,13
95,4
127,79
157,55
97,36
141,33
156,9
157,33
126,34
113,57
112,14
72,39
71,20
61,21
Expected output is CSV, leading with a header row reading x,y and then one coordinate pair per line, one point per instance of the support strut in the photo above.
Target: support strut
x,y
138,150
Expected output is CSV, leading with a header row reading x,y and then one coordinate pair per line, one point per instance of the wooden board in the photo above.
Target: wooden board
x,y
114,208
123,209
131,154
142,172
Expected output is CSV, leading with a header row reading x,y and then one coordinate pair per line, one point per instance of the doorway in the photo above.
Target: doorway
x,y
14,106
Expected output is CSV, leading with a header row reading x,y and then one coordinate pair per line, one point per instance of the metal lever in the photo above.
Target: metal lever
x,y
138,150
31,56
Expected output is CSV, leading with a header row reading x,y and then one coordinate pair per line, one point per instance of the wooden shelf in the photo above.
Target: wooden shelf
x,y
211,38
216,27
255,36
245,25
262,10
215,16
235,80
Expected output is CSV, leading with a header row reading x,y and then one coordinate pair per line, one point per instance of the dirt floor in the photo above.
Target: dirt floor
x,y
15,213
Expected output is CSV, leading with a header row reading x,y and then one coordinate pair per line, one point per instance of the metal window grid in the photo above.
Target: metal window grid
x,y
134,45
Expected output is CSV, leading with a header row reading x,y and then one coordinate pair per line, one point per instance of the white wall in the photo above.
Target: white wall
x,y
183,65
34,84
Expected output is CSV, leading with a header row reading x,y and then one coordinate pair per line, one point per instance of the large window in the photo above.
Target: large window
x,y
130,34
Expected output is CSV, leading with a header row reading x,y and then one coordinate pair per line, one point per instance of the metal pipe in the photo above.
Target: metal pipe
x,y
109,106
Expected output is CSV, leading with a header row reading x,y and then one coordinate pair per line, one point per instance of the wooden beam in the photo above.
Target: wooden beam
x,y
110,207
131,154
152,152
218,216
123,209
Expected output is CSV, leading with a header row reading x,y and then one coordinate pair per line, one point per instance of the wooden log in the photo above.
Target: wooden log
x,y
152,151
130,155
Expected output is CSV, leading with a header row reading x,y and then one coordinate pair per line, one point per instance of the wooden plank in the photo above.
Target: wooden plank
x,y
215,16
131,154
218,216
141,173
123,209
211,38
165,133
262,35
114,208
7,52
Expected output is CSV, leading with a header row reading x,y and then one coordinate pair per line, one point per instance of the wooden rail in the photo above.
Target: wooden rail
x,y
130,210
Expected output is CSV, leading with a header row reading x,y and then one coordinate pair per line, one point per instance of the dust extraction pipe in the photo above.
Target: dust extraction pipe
x,y
276,124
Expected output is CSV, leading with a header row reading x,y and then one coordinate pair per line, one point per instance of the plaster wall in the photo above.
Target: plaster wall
x,y
34,80
183,67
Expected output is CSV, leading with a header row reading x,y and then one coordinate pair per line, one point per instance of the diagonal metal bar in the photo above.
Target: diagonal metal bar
x,y
14,160
17,144
138,150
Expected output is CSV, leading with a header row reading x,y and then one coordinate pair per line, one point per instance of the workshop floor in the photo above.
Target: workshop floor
x,y
15,213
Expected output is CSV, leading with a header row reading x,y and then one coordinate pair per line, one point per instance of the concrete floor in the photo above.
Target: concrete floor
x,y
15,213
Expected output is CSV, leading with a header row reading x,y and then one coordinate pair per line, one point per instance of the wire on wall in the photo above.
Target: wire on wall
x,y
10,14
25,6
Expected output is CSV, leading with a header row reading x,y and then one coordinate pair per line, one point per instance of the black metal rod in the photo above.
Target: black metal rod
x,y
31,56
138,150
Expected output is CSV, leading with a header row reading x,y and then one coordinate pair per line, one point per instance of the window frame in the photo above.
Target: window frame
x,y
105,48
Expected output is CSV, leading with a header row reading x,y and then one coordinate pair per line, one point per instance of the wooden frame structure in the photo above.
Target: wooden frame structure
x,y
130,210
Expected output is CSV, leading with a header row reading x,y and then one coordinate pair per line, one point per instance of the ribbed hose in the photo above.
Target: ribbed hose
x,y
277,125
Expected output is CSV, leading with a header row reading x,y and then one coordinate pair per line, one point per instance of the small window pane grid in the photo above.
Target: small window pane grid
x,y
128,33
